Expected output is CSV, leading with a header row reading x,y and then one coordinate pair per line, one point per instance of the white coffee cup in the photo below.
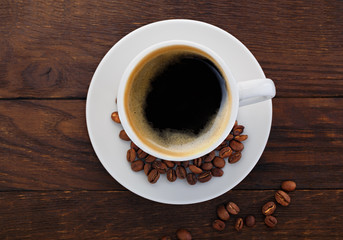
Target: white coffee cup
x,y
241,94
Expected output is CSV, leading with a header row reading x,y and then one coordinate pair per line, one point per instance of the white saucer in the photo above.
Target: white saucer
x,y
103,132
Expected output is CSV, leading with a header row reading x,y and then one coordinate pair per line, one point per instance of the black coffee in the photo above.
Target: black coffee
x,y
184,95
177,100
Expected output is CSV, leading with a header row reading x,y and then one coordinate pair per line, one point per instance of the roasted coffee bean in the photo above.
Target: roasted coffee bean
x,y
141,153
235,157
236,146
183,234
232,208
153,176
137,165
218,162
169,164
229,137
204,176
217,172
225,152
171,175
222,213
236,123
124,136
166,238
270,221
250,221
134,146
268,208
222,145
147,168
131,155
207,166
241,138
197,162
239,224
288,186
150,159
283,198
218,225
195,169
209,157
185,164
181,172
160,166
237,130
192,178
115,117
177,163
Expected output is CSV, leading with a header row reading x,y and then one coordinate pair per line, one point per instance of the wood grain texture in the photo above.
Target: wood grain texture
x,y
50,49
123,215
44,145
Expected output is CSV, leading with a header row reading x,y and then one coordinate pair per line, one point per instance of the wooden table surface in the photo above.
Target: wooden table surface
x,y
52,185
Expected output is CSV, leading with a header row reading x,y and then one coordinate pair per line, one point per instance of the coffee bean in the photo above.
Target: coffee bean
x,y
150,159
204,176
134,146
209,157
160,166
115,117
236,123
141,153
137,165
207,166
239,224
218,225
217,172
131,155
268,208
218,162
169,164
270,221
185,164
195,169
147,168
229,137
235,157
222,145
166,238
237,130
181,172
283,198
124,136
192,178
225,152
183,234
241,138
288,186
153,176
236,146
171,175
250,221
197,162
222,213
232,208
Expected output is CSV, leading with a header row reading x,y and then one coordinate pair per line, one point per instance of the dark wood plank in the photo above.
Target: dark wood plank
x,y
51,49
123,215
44,145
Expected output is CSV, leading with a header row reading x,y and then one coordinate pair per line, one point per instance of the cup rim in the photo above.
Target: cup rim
x,y
122,86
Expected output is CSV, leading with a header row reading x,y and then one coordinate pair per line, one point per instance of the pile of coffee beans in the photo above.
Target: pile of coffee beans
x,y
225,210
200,170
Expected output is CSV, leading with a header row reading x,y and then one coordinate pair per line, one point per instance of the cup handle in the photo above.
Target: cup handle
x,y
254,91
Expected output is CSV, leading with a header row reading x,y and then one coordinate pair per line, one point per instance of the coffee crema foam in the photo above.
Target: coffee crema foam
x,y
170,141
